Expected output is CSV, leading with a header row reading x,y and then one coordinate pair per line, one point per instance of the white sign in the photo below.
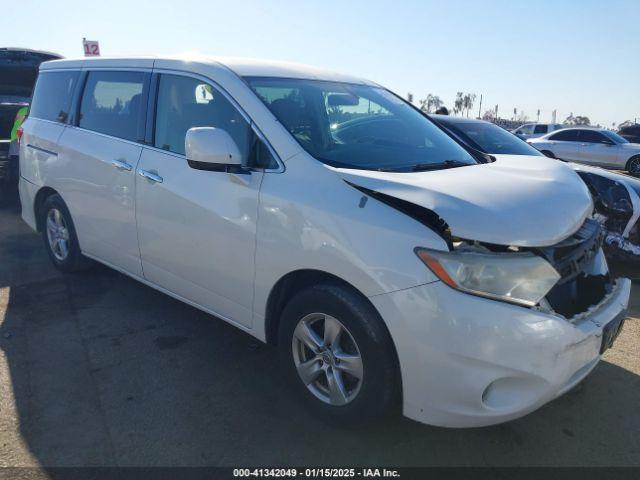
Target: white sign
x,y
91,48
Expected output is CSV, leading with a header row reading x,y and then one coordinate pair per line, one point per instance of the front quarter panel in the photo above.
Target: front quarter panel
x,y
309,218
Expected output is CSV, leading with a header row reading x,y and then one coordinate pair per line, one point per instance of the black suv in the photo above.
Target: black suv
x,y
18,72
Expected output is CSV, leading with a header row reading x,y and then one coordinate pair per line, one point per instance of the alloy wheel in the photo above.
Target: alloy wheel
x,y
57,234
327,359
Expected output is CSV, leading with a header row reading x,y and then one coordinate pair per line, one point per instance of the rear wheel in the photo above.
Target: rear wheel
x,y
59,236
633,166
338,355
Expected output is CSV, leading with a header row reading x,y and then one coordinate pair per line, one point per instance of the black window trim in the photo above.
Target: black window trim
x,y
142,120
153,104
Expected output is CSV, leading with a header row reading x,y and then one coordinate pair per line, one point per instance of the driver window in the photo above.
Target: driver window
x,y
185,102
589,136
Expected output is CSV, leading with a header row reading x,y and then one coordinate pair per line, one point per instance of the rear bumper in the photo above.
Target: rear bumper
x,y
28,192
468,361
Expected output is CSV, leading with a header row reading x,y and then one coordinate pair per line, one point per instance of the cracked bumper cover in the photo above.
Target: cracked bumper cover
x,y
469,361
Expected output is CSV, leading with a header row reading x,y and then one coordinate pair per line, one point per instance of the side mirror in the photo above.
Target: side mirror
x,y
209,148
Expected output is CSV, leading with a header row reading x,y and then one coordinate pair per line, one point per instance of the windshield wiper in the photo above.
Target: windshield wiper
x,y
421,167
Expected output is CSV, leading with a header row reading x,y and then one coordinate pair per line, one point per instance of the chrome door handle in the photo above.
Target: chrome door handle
x,y
154,177
120,165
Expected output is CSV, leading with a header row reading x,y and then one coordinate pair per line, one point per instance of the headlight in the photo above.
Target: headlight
x,y
522,278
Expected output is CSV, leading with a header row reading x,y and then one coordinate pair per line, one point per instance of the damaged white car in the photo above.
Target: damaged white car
x,y
325,215
616,196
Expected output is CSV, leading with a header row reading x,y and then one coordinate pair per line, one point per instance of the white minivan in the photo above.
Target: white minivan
x,y
324,214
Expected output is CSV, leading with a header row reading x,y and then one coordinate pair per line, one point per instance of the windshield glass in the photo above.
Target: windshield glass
x,y
358,126
615,137
490,138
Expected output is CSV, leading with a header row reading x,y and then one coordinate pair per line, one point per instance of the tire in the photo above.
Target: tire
x,y
547,153
371,396
59,236
633,166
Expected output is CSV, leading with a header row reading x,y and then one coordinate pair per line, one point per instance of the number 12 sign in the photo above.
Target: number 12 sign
x,y
91,48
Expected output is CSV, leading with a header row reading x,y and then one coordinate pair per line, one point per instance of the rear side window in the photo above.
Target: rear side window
x,y
184,103
53,94
540,129
112,104
565,136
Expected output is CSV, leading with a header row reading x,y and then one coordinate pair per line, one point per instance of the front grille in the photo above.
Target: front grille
x,y
577,290
572,255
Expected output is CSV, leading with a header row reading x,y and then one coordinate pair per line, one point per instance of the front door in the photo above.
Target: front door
x,y
598,149
197,228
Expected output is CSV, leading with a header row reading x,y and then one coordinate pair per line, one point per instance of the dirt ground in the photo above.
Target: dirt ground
x,y
97,369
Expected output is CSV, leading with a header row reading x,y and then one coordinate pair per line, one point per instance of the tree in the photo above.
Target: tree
x,y
626,123
458,104
431,103
522,117
489,115
577,120
467,101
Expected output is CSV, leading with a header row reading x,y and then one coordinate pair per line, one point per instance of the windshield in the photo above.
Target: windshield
x,y
358,126
490,138
615,137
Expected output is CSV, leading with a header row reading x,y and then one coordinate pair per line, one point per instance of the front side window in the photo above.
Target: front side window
x,y
540,129
52,95
186,102
358,126
590,136
112,104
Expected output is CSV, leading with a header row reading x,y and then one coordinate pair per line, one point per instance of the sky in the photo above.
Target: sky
x,y
574,56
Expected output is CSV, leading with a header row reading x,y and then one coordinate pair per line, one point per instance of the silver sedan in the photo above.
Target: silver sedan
x,y
591,146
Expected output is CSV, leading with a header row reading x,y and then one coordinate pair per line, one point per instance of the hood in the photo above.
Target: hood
x,y
630,146
516,200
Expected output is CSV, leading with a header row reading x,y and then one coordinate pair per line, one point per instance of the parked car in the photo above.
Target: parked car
x,y
18,71
324,214
591,146
616,196
534,130
631,133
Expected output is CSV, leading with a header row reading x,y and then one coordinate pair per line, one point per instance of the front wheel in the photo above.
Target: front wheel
x,y
633,166
59,236
338,355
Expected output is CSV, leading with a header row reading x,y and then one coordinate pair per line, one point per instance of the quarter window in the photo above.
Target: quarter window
x,y
112,104
52,95
185,102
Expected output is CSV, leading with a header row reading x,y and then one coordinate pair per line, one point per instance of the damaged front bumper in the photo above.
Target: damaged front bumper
x,y
469,361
